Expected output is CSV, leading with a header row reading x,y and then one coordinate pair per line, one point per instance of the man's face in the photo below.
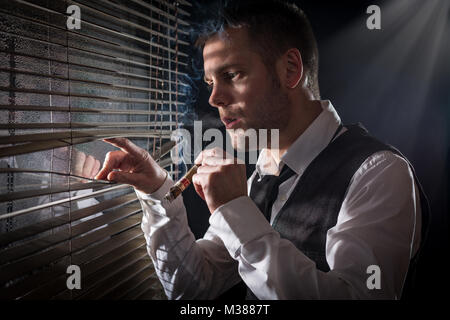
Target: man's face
x,y
246,93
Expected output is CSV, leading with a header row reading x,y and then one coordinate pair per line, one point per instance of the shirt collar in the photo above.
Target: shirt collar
x,y
306,147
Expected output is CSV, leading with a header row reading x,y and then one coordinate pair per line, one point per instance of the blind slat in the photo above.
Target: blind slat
x,y
139,262
97,11
81,110
120,75
126,74
126,22
11,254
57,285
102,55
167,4
66,232
104,266
99,134
63,142
46,191
62,201
90,260
138,290
23,266
114,32
80,95
163,150
121,290
165,162
113,228
110,256
106,219
147,295
161,12
34,281
64,218
98,83
100,249
70,44
37,171
77,125
184,2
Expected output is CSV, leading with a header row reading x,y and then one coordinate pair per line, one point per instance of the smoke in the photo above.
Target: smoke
x,y
193,97
205,19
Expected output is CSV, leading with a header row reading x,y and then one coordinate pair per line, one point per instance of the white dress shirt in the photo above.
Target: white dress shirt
x,y
378,224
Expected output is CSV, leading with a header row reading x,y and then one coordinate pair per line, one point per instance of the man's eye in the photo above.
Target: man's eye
x,y
209,86
231,75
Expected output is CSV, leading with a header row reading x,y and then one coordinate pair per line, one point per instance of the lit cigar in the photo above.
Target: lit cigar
x,y
181,185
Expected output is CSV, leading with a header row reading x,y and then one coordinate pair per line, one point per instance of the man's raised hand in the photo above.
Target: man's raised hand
x,y
219,179
131,165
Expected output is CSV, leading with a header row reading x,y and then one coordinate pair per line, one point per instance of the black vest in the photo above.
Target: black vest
x,y
313,206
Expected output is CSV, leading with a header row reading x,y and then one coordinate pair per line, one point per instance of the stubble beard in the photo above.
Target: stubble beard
x,y
272,115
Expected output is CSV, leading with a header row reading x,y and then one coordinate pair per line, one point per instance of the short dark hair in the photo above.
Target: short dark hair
x,y
274,26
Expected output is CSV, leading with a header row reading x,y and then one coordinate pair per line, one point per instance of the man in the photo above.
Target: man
x,y
309,223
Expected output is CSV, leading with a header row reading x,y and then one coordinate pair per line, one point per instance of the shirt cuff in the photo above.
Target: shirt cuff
x,y
159,194
228,223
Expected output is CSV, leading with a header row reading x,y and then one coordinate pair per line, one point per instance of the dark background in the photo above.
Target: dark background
x,y
396,81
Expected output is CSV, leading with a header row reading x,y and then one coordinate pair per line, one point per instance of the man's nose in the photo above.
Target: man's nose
x,y
219,97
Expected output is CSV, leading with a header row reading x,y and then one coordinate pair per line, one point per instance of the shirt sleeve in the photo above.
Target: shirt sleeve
x,y
187,269
375,227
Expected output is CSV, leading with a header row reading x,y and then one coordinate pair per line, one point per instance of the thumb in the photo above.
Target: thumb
x,y
123,177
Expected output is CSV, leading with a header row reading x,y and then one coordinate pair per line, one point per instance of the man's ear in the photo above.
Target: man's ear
x,y
294,68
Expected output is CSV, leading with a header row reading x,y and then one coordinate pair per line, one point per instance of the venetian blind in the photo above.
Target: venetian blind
x,y
63,90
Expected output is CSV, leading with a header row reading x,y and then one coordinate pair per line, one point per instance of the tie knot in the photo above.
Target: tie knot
x,y
265,192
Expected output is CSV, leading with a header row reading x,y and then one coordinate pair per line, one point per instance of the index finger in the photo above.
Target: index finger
x,y
125,145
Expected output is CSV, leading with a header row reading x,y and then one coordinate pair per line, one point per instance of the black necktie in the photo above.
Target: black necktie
x,y
265,192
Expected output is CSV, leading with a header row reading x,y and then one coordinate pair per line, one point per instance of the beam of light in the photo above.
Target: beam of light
x,y
385,78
